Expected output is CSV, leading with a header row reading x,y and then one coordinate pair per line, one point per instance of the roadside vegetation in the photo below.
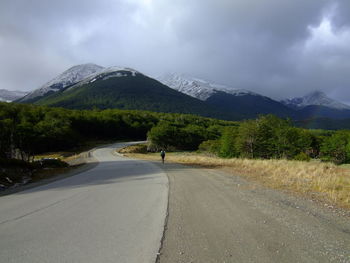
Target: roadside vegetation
x,y
268,147
270,150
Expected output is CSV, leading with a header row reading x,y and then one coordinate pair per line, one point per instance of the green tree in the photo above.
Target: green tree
x,y
228,143
336,148
164,135
247,139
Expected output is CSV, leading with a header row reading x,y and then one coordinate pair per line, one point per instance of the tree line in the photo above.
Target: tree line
x,y
267,137
27,130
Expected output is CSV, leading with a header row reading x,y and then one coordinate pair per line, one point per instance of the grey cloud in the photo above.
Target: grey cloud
x,y
252,44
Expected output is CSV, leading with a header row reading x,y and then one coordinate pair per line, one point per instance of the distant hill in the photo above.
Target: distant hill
x,y
125,88
317,105
315,98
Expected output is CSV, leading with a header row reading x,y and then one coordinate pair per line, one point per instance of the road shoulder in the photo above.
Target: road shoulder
x,y
219,217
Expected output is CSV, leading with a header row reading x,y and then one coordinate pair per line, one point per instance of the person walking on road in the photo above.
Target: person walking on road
x,y
162,154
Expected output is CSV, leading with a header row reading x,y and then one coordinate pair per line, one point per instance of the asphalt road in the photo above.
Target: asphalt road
x,y
219,217
114,212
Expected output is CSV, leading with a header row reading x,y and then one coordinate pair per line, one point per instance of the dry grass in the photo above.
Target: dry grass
x,y
321,181
75,153
59,155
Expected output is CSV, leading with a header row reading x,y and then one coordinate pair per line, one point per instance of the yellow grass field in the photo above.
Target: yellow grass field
x,y
321,181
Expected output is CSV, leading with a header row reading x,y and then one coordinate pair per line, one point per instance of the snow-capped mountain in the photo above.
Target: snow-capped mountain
x,y
317,98
11,95
244,104
69,77
198,88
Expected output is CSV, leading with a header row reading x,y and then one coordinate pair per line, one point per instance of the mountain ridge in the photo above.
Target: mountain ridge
x,y
316,98
11,95
196,87
226,98
68,77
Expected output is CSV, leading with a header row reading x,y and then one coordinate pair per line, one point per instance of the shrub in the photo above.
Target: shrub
x,y
211,146
336,148
52,163
139,148
302,157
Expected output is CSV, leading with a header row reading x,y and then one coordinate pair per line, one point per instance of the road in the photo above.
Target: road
x,y
114,212
219,217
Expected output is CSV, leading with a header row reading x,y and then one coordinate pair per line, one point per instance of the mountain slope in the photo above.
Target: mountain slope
x,y
69,77
249,106
127,89
11,95
315,98
243,103
319,111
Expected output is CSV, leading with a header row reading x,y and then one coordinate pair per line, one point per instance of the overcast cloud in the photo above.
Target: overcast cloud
x,y
279,48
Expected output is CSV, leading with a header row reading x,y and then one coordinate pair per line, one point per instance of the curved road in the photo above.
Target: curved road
x,y
114,212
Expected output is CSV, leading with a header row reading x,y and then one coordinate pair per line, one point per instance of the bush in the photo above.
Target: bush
x,y
336,148
169,136
139,148
211,146
52,163
302,157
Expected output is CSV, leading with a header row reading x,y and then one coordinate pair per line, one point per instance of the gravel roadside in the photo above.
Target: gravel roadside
x,y
217,217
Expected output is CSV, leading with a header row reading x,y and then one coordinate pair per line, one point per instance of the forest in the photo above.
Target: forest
x,y
28,130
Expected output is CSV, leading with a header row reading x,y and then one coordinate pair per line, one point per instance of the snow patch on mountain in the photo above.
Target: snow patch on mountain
x,y
67,78
198,88
315,98
106,73
11,95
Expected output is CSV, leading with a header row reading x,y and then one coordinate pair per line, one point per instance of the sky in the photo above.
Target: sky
x,y
278,48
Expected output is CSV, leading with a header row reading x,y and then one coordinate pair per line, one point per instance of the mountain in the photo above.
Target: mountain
x,y
315,98
317,105
91,86
126,88
198,88
11,95
69,77
243,103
